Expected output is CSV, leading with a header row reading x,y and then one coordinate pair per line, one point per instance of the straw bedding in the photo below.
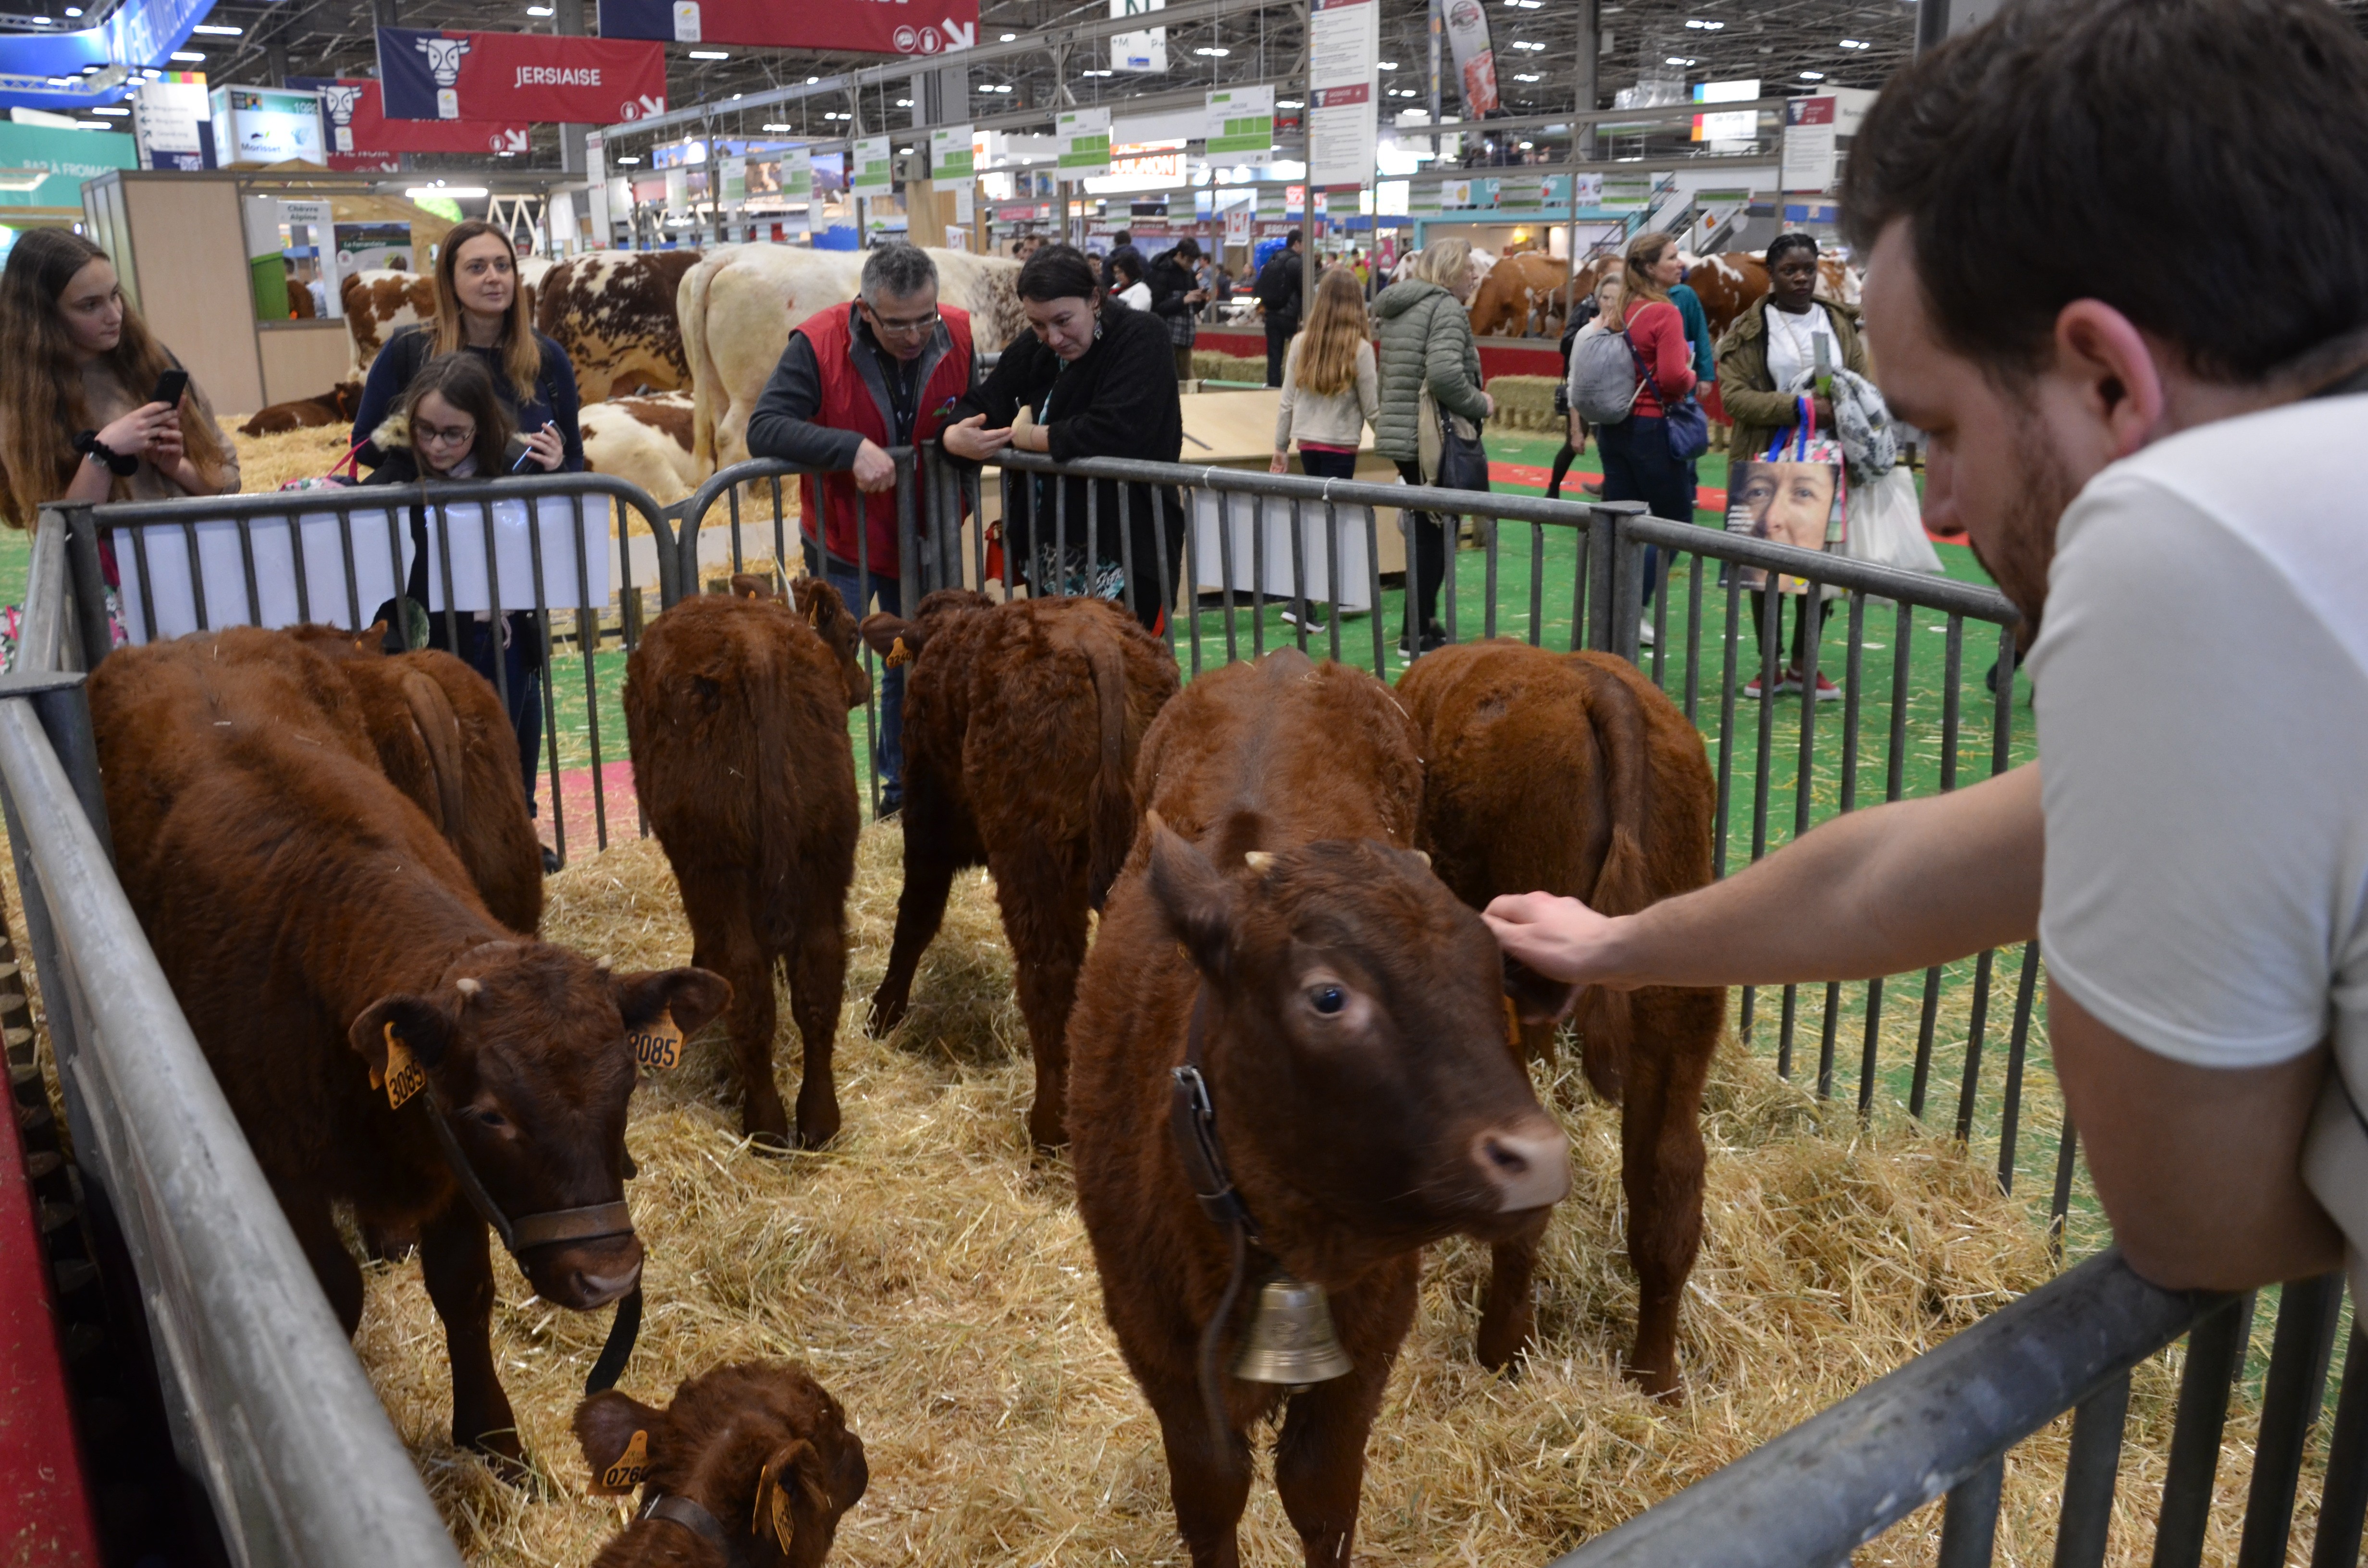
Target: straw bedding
x,y
934,1275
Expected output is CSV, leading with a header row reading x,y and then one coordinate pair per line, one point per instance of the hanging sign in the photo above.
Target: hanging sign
x,y
951,152
1146,51
514,76
359,131
797,175
1476,57
731,181
1085,143
908,27
869,170
1344,48
1808,144
1241,119
173,122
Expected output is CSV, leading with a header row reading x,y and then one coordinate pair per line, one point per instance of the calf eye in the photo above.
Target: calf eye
x,y
492,1119
1327,999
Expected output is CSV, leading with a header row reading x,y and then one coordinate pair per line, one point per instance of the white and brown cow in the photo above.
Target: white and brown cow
x,y
739,305
614,313
644,441
379,303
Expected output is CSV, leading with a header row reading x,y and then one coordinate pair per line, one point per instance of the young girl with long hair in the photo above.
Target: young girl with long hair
x,y
75,419
1331,387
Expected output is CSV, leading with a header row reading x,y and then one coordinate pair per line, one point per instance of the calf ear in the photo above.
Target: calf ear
x,y
1534,997
793,1496
750,586
424,1029
615,1431
1195,899
691,996
819,602
886,634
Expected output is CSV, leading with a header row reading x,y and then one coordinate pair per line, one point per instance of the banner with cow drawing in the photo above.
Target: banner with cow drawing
x,y
515,77
921,27
363,137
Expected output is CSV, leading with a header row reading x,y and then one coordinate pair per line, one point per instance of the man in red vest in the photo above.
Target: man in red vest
x,y
854,381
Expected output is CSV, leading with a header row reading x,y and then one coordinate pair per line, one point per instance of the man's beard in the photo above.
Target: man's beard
x,y
2022,548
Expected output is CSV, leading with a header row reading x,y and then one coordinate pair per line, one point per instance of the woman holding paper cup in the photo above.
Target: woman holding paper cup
x,y
452,425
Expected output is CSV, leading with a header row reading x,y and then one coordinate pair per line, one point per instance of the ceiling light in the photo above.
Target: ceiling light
x,y
1538,48
1812,75
458,192
1387,64
776,128
1008,37
1680,60
189,55
811,80
1701,26
1856,43
538,10
1290,103
1525,76
1213,53
710,54
74,10
217,30
900,103
833,114
111,112
44,22
627,160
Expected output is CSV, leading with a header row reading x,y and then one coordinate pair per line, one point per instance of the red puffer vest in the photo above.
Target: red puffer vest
x,y
851,401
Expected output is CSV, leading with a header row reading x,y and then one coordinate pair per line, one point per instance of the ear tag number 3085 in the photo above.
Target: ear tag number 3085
x,y
403,1078
657,1046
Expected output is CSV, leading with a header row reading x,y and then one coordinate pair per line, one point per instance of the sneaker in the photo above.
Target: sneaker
x,y
1786,684
1644,633
1316,625
550,862
1434,637
1826,690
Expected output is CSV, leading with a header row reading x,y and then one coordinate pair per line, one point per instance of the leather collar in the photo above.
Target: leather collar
x,y
679,1510
1192,1124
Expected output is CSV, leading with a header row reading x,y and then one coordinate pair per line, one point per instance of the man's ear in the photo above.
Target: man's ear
x,y
691,996
615,1431
1195,899
424,1029
886,634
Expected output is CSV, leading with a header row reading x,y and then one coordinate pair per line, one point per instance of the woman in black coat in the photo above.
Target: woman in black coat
x,y
1092,380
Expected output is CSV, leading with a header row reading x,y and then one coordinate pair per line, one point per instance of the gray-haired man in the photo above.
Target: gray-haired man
x,y
854,381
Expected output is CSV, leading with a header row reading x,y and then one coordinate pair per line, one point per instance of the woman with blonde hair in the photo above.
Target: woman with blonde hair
x,y
77,421
1331,387
1427,345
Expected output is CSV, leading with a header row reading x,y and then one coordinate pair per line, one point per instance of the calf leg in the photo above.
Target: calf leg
x,y
1319,1461
817,987
1661,1165
459,1274
316,1232
1509,1316
1208,1480
1042,891
919,910
723,939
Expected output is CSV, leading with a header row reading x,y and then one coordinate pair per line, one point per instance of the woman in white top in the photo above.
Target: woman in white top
x,y
1331,387
1127,266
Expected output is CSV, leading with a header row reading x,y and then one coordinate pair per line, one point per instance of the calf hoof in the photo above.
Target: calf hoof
x,y
506,1457
1048,1130
1661,1384
767,1127
818,1122
886,1013
1503,1336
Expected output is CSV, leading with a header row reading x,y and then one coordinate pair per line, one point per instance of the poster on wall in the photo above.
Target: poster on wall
x,y
1241,119
515,77
871,170
1344,48
1144,51
1808,163
361,136
1475,56
172,121
861,25
1083,136
952,154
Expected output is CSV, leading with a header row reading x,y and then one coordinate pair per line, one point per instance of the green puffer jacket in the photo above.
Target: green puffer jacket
x,y
1425,335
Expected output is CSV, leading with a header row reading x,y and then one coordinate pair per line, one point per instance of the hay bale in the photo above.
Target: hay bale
x,y
1524,402
934,1275
266,463
1213,365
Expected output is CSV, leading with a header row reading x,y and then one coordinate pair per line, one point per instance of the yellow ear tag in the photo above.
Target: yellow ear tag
x,y
658,1046
785,1528
1512,1024
627,1473
404,1077
899,655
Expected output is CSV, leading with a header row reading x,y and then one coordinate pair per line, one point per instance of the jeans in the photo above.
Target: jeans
x,y
1638,466
1277,347
888,593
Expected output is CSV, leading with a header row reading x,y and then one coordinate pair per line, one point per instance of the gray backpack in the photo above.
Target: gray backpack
x,y
1603,377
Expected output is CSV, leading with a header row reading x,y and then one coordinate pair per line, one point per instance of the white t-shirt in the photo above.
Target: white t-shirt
x,y
2202,694
1793,344
1137,294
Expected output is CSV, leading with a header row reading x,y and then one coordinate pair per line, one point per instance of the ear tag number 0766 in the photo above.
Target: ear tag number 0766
x,y
628,1472
657,1046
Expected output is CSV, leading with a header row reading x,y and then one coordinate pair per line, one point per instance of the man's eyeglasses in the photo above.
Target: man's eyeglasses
x,y
912,328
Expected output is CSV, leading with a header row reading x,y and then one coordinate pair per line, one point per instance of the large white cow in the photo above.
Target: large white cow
x,y
739,305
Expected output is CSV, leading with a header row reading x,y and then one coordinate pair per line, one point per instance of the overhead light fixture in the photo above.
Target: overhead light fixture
x,y
1700,26
44,22
1009,37
1856,43
1290,103
1812,75
1213,53
1533,48
217,29
74,10
1525,76
1678,60
710,54
811,80
188,56
628,160
904,103
776,127
116,111
833,114
539,10
457,192
1387,64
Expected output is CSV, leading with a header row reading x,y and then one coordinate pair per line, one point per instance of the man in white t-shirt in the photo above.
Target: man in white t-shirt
x,y
2167,491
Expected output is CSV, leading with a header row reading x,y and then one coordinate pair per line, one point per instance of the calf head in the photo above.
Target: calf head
x,y
522,1050
1354,1028
899,641
835,623
760,1446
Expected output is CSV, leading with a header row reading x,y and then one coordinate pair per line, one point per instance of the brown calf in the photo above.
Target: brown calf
x,y
1021,725
1571,773
1347,1015
752,1464
351,990
736,709
443,740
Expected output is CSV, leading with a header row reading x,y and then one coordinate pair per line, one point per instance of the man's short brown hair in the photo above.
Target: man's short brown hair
x,y
2197,164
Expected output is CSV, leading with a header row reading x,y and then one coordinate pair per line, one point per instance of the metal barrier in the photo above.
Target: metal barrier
x,y
255,549
1943,1425
268,1407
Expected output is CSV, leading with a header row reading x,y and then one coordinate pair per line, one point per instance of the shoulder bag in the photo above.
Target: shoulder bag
x,y
1688,427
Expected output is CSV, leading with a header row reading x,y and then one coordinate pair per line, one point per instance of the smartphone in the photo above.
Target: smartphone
x,y
525,457
169,388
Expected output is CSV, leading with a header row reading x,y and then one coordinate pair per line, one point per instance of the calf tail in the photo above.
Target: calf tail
x,y
439,730
1622,885
706,381
1110,803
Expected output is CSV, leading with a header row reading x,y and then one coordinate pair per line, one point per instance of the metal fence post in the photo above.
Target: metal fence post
x,y
1615,593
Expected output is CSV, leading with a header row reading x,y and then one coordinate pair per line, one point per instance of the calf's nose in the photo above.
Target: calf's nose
x,y
1526,1162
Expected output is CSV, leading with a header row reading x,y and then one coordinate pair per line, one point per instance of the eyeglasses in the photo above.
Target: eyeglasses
x,y
447,436
903,329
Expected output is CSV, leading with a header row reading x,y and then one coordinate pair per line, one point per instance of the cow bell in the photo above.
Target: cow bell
x,y
1291,1338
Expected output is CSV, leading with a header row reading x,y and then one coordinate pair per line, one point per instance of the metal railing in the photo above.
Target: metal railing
x,y
269,1408
1942,1426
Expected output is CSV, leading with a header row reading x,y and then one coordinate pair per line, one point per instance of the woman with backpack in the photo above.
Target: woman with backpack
x,y
1425,344
1331,389
1639,462
1767,362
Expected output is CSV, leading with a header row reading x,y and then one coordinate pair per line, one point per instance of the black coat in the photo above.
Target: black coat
x,y
1170,280
1116,399
1279,285
453,633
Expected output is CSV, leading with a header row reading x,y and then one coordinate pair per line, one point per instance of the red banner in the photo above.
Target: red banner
x,y
507,78
908,27
362,137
